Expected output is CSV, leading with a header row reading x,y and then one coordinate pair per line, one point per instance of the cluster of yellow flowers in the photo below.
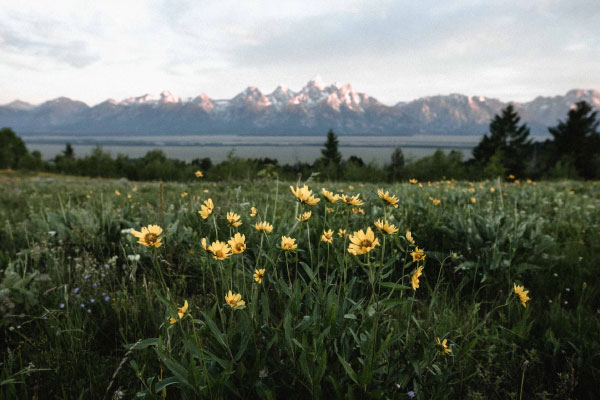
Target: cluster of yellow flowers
x,y
361,241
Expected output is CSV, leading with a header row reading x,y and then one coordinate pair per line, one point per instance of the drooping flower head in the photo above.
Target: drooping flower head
x,y
415,277
362,242
180,312
149,236
206,209
409,237
444,346
332,198
418,254
204,245
237,243
288,243
253,211
391,200
234,219
220,250
304,217
264,226
305,195
327,236
259,275
386,227
234,300
522,293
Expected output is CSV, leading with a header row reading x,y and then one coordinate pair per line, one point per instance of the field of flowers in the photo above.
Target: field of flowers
x,y
266,289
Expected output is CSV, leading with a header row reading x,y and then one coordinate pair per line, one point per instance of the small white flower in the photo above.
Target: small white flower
x,y
567,289
126,231
51,233
134,257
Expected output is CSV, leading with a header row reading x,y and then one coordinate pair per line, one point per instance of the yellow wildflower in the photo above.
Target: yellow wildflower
x,y
288,243
206,209
522,293
492,190
180,312
357,210
198,174
327,236
362,242
329,209
253,211
234,300
386,227
341,232
391,200
264,226
352,200
413,181
259,275
473,200
304,195
220,250
149,236
415,277
233,219
117,193
332,198
418,254
443,344
304,217
184,194
238,243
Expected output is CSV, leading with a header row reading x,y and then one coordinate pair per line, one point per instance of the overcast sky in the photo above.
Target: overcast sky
x,y
392,50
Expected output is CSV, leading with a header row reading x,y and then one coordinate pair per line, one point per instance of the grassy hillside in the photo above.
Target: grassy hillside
x,y
87,311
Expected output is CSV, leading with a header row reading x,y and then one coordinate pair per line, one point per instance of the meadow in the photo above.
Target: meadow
x,y
265,289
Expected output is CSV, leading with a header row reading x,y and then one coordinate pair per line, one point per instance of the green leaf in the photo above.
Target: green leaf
x,y
348,369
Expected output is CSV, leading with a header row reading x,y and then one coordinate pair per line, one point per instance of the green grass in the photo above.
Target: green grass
x,y
85,309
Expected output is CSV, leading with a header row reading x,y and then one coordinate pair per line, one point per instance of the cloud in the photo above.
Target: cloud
x,y
74,52
393,50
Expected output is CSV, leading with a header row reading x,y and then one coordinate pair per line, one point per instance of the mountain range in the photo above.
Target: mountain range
x,y
313,110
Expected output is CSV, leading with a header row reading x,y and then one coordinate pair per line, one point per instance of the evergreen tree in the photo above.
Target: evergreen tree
x,y
396,165
68,151
331,157
12,149
577,140
509,138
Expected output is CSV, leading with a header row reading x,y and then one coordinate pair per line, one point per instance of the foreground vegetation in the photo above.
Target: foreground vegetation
x,y
91,309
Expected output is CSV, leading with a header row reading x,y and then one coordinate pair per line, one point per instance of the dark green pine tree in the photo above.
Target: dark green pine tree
x,y
577,140
506,140
331,156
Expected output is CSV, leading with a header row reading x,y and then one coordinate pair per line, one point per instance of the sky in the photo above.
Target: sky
x,y
392,50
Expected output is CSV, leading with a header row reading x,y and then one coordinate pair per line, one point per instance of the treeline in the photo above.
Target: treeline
x,y
507,150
